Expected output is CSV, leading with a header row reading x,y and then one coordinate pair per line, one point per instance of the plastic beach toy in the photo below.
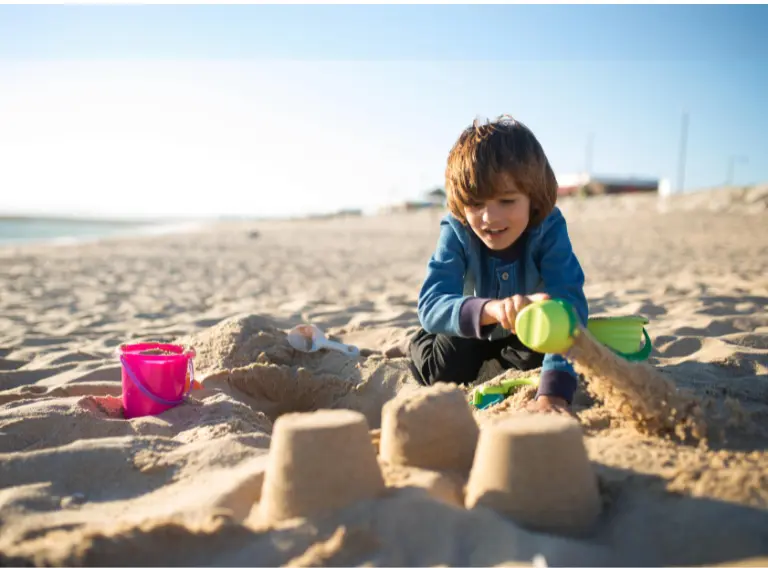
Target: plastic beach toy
x,y
549,327
623,335
484,396
156,377
310,338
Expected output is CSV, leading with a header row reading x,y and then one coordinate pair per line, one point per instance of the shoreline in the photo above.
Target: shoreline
x,y
132,230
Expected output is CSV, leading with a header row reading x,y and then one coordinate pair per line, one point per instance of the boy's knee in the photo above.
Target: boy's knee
x,y
448,374
446,360
456,367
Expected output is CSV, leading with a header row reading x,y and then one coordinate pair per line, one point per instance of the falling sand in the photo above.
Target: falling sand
x,y
649,401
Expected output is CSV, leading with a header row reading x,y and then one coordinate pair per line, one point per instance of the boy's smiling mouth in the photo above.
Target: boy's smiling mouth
x,y
494,232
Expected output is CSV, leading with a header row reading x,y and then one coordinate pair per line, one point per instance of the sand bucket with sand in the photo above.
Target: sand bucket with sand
x,y
156,377
549,326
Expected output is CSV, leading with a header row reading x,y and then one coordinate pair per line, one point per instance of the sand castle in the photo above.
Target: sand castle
x,y
318,461
432,429
533,469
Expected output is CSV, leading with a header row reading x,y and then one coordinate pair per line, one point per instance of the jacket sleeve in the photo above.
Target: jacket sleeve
x,y
563,279
560,269
442,293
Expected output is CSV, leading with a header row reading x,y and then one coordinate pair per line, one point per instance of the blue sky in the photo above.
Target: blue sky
x,y
357,106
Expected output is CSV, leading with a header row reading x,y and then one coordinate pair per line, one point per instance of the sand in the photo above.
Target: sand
x,y
534,469
79,485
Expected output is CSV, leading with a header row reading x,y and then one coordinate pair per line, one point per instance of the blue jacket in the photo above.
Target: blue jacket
x,y
461,267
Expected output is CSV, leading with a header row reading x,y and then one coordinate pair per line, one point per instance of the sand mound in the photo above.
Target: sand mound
x,y
250,359
238,342
745,200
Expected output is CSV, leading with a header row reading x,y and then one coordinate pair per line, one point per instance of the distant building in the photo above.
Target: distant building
x,y
436,197
408,206
585,184
433,199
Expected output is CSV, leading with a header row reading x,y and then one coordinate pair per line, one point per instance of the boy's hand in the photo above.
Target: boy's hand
x,y
505,311
546,403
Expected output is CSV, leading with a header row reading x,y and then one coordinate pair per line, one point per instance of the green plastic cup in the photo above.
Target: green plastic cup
x,y
546,326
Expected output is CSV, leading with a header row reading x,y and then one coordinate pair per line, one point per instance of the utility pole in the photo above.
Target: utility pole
x,y
588,158
682,155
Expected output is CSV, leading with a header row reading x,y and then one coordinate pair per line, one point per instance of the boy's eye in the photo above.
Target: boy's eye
x,y
509,201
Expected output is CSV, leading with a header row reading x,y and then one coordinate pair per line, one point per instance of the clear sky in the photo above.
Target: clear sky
x,y
284,110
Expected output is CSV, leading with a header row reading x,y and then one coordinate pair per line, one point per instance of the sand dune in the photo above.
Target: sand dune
x,y
81,485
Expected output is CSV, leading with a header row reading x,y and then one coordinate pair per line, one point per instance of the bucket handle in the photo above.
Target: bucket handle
x,y
641,355
152,396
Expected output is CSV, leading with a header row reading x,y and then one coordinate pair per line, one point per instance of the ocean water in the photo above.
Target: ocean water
x,y
18,230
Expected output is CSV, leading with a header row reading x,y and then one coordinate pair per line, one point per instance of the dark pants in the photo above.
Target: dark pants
x,y
440,358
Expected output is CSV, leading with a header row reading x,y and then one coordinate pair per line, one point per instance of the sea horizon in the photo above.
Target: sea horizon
x,y
23,229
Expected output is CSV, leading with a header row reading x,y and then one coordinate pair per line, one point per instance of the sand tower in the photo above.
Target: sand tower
x,y
433,429
318,461
534,469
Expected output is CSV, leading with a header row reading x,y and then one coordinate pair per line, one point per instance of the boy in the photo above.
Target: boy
x,y
503,245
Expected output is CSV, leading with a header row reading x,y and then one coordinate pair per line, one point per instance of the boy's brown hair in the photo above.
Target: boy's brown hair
x,y
483,150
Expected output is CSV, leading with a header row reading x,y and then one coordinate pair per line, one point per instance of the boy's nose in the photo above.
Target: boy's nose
x,y
490,214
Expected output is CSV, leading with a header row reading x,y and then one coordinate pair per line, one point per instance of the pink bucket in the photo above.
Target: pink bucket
x,y
154,383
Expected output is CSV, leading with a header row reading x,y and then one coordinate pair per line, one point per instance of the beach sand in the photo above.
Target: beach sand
x,y
79,485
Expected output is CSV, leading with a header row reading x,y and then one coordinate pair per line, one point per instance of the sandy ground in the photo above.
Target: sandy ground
x,y
81,485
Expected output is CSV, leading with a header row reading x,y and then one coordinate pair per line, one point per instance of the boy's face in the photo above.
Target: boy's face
x,y
500,221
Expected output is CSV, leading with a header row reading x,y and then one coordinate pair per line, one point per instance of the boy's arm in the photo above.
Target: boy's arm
x,y
560,269
442,293
557,378
474,321
563,279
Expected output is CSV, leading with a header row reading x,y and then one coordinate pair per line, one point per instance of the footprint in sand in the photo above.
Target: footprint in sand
x,y
20,377
728,310
34,389
11,364
750,340
682,347
713,329
44,341
75,357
